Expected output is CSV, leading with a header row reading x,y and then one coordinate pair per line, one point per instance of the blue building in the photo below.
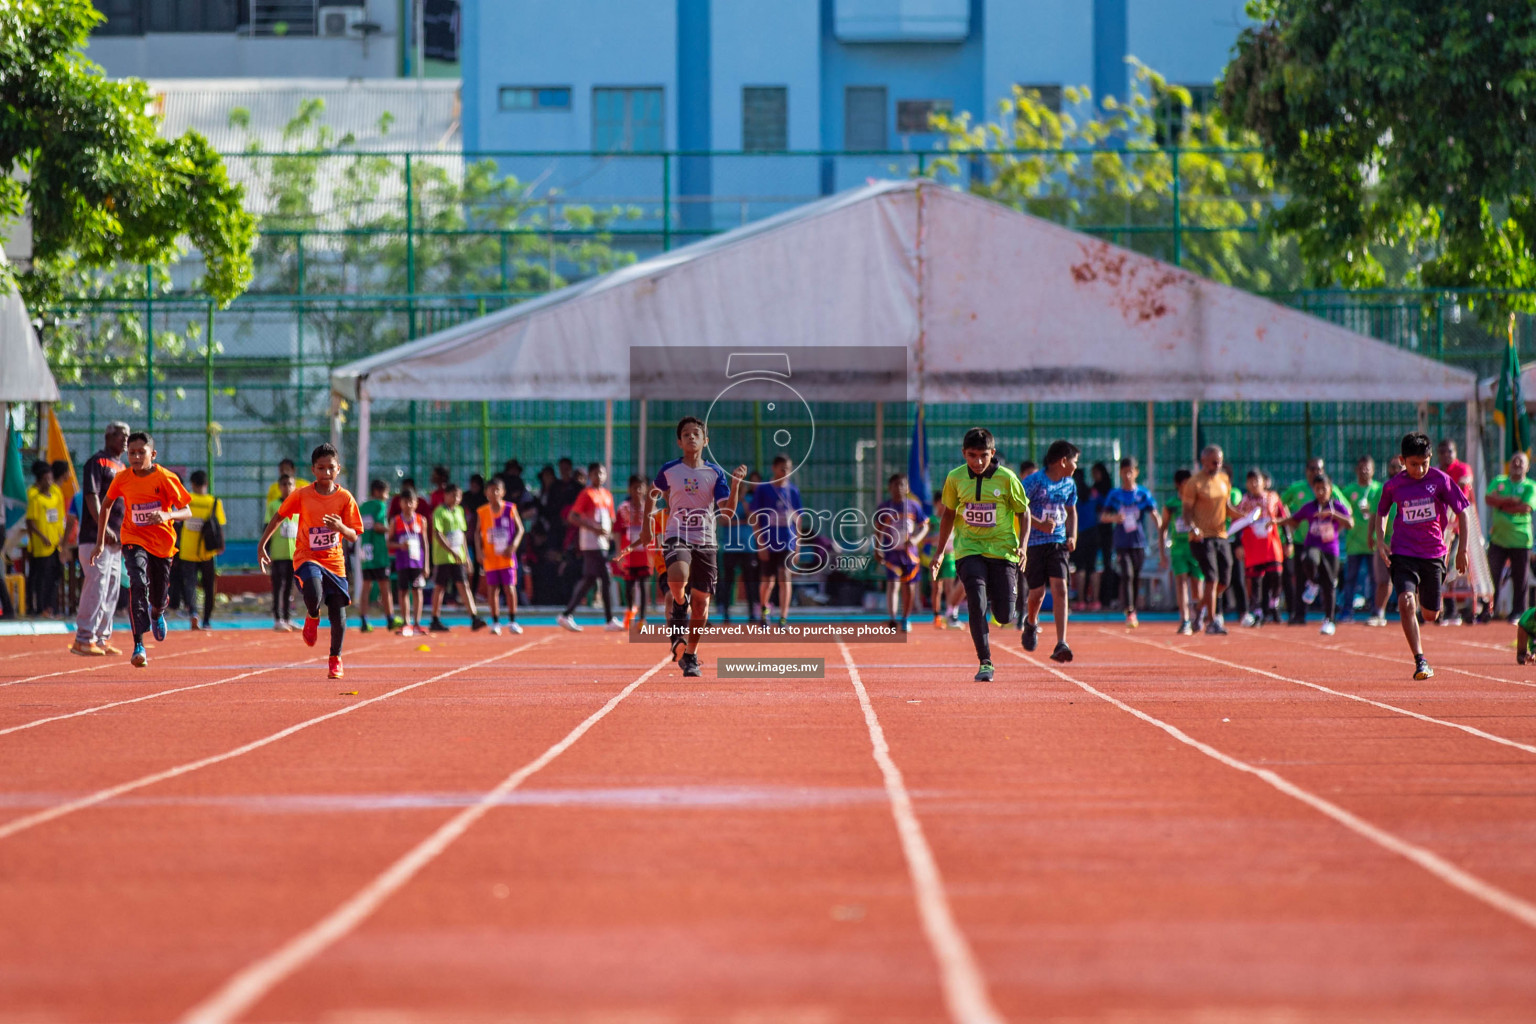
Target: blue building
x,y
792,77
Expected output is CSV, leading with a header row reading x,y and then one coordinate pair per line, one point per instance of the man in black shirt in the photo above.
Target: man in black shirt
x,y
98,590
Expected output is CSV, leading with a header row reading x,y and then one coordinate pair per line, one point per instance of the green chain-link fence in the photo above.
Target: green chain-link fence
x,y
361,252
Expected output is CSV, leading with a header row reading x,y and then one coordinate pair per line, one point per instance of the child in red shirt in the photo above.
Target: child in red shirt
x,y
1261,511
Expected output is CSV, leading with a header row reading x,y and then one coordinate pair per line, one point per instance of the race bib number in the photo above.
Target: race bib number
x,y
322,537
288,529
53,515
368,522
413,546
146,514
1054,514
500,538
1181,525
1130,520
1420,512
453,540
1325,532
982,514
194,524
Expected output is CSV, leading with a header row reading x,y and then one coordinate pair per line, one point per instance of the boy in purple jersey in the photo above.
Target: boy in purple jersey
x,y
1425,498
900,526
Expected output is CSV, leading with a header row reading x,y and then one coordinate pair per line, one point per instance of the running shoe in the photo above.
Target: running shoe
x,y
1377,619
140,659
1031,635
1421,669
564,621
1062,653
364,627
784,624
108,648
1250,620
1186,628
193,625
984,673
691,667
335,672
1131,622
311,631
437,625
158,626
86,649
495,629
513,627
476,624
397,623
629,618
406,631
1328,628
1215,627
281,627
906,626
614,626
1521,657
1309,593
938,622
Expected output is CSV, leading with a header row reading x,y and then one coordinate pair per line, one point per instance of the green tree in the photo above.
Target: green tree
x,y
1403,132
81,150
1112,172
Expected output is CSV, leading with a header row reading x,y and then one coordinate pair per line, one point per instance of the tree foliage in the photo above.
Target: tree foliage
x,y
1397,126
1113,168
81,150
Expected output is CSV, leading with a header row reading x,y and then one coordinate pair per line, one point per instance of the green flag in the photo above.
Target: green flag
x,y
1509,405
13,492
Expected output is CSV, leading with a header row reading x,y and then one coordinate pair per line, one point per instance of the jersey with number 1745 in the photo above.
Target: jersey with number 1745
x,y
986,508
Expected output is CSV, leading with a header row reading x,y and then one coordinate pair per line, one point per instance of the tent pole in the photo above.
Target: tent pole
x,y
879,451
608,436
364,439
336,424
1194,429
640,441
1151,456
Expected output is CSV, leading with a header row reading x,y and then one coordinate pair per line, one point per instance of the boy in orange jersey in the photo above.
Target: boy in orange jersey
x,y
498,532
327,513
153,498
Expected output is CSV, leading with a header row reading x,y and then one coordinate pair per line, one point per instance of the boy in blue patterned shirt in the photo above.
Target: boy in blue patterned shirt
x,y
1052,497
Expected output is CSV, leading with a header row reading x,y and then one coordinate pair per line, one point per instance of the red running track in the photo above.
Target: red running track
x,y
1271,827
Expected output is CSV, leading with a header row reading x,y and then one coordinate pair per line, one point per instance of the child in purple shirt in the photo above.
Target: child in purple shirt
x,y
1425,498
1326,518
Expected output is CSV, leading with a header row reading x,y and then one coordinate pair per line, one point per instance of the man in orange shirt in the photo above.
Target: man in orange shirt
x,y
1207,507
153,498
327,513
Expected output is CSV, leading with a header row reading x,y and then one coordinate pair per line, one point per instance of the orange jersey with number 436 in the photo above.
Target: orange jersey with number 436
x,y
316,541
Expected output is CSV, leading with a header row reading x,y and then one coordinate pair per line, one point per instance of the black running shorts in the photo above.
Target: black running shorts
x,y
703,567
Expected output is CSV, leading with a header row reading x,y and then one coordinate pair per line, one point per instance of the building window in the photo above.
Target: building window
x,y
1173,116
1050,95
526,97
864,122
627,121
122,18
190,15
765,118
914,117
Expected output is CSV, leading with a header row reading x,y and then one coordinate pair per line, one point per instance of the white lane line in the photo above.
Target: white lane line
x,y
1468,729
11,828
1398,661
252,983
107,662
151,696
1436,865
965,990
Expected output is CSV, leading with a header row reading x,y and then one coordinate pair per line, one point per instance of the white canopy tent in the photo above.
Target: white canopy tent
x,y
993,305
24,373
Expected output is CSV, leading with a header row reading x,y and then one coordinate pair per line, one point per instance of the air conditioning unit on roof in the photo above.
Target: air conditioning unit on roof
x,y
340,21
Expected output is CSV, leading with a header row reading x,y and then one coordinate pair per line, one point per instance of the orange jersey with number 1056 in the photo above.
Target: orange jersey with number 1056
x,y
316,541
143,499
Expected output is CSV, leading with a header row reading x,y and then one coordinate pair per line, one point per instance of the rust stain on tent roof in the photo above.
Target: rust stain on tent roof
x,y
1140,296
